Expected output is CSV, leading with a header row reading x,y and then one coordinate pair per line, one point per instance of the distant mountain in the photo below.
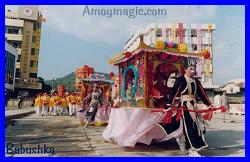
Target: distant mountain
x,y
68,81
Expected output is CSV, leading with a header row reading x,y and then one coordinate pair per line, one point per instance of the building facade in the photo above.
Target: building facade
x,y
23,31
10,67
235,90
234,86
196,36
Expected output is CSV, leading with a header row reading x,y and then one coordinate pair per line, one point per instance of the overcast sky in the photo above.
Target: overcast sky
x,y
70,40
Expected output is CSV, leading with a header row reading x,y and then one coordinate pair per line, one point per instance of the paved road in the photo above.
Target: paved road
x,y
68,138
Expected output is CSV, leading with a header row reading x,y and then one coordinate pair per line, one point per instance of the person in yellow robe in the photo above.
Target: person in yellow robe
x,y
64,106
51,105
72,104
38,104
78,102
57,105
45,104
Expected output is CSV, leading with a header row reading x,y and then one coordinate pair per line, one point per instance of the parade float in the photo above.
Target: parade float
x,y
86,77
146,76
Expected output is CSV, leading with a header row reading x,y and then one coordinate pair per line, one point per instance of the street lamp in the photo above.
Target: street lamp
x,y
52,80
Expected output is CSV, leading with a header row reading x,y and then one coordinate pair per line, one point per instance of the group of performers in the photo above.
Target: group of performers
x,y
71,104
56,104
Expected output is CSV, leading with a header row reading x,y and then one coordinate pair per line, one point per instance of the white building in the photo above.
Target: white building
x,y
195,36
11,54
234,86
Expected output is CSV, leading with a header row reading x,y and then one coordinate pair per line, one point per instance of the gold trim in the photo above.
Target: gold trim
x,y
142,46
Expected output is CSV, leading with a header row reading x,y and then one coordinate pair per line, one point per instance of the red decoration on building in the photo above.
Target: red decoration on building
x,y
206,55
127,54
111,74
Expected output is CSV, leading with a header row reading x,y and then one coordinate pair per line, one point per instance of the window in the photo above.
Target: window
x,y
193,33
177,33
16,44
18,58
158,33
13,30
20,31
9,78
38,25
17,73
33,39
8,30
31,63
33,51
194,47
9,62
33,75
34,26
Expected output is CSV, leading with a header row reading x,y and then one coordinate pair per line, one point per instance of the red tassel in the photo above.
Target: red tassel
x,y
205,117
179,114
168,117
208,116
223,109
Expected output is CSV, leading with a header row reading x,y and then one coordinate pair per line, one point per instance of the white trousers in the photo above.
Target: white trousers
x,y
57,110
72,109
38,110
51,110
44,109
64,111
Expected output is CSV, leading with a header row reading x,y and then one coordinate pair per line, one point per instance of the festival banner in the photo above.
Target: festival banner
x,y
198,38
207,68
180,31
189,38
173,30
209,39
199,68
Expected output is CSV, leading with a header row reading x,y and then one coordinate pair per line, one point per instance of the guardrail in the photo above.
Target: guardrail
x,y
13,103
235,109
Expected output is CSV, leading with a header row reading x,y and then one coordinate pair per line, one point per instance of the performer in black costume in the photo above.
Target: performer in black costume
x,y
187,88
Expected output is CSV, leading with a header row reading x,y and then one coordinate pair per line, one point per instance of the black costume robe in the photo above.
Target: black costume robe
x,y
193,124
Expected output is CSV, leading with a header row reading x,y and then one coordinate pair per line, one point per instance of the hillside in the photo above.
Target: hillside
x,y
68,81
